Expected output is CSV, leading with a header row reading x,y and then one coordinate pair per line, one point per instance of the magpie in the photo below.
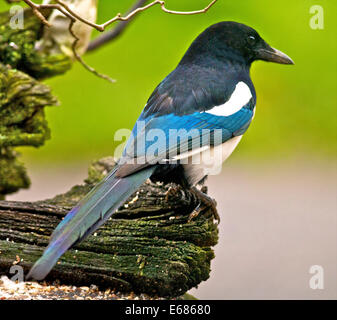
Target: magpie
x,y
204,105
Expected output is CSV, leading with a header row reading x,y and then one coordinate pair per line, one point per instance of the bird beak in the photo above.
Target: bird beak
x,y
274,55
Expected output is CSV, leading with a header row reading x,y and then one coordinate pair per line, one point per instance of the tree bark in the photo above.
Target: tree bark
x,y
22,97
147,247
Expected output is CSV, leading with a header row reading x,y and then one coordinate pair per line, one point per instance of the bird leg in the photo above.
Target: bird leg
x,y
205,202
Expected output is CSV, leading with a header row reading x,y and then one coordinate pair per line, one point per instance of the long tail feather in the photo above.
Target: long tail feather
x,y
96,208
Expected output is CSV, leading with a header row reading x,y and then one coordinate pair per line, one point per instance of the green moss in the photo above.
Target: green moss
x,y
12,173
17,49
22,123
22,98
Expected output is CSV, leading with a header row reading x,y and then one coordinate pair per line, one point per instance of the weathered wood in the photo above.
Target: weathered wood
x,y
148,246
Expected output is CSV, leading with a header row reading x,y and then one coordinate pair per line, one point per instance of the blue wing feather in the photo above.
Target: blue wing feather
x,y
170,124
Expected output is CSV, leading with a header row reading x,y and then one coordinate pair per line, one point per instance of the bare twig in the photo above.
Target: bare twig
x,y
79,58
63,7
116,32
74,17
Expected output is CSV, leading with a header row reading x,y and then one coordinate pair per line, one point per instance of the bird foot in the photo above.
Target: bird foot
x,y
172,192
204,189
205,202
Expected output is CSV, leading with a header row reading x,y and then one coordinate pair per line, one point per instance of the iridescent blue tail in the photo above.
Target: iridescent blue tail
x,y
95,209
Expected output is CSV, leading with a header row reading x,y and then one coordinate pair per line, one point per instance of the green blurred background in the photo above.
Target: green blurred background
x,y
296,109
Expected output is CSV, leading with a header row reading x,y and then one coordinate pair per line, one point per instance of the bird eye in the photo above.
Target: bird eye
x,y
251,39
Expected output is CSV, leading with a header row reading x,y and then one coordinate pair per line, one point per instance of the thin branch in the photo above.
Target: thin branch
x,y
37,7
162,5
79,58
62,7
116,32
74,17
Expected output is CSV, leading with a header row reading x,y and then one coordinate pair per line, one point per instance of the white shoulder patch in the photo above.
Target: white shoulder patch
x,y
240,97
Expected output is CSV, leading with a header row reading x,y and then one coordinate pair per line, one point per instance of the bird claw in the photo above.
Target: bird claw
x,y
204,189
172,191
195,213
205,202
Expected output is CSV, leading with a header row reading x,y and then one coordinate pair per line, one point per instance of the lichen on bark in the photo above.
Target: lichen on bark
x,y
12,173
17,48
22,97
22,123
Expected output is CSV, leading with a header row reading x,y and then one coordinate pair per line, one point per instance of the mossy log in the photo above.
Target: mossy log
x,y
22,123
22,97
147,247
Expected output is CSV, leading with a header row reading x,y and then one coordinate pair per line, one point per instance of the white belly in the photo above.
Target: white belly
x,y
209,161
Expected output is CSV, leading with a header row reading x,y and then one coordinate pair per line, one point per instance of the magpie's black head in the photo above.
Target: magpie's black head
x,y
235,42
